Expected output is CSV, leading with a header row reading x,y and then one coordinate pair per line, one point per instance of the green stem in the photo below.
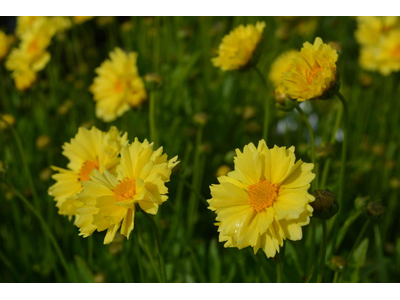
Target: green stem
x,y
159,245
90,250
335,277
266,106
381,259
323,252
153,130
312,141
42,223
279,265
24,161
358,240
344,149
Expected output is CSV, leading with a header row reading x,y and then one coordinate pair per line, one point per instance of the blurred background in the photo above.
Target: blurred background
x,y
202,115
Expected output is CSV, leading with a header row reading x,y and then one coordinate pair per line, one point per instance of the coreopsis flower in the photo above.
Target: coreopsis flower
x,y
281,64
89,150
118,86
312,73
81,19
238,46
31,55
109,202
379,38
4,45
264,200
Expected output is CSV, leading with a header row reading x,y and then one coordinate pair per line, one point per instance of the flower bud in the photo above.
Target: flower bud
x,y
337,263
153,81
325,205
200,118
360,202
375,210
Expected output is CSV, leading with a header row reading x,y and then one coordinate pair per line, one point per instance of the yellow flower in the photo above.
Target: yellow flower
x,y
80,20
25,24
264,200
61,23
109,202
281,65
223,170
118,86
4,45
370,30
9,119
31,55
89,150
238,47
312,73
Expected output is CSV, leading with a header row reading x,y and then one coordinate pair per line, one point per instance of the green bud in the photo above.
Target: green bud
x,y
337,263
360,202
325,205
375,210
153,82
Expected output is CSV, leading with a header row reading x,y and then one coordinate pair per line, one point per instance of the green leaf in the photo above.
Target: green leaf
x,y
214,262
359,257
84,273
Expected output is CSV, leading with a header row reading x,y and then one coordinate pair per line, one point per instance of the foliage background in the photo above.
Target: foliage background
x,y
180,50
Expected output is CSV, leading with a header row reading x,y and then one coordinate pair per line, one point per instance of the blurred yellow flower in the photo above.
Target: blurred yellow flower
x,y
264,200
223,170
31,55
25,23
8,118
281,65
118,86
4,44
89,150
379,38
109,202
43,141
61,23
312,73
238,46
80,20
103,21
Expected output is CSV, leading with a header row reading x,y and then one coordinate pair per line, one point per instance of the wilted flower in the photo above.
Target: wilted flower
x,y
89,150
264,200
108,202
238,46
118,86
312,73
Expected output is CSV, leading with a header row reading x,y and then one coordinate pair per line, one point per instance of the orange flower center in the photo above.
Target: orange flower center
x,y
262,195
119,86
126,189
33,46
396,52
313,74
88,168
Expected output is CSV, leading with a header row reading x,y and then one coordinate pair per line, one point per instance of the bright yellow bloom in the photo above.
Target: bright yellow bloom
x,y
312,73
281,64
264,200
4,45
80,20
238,47
89,150
31,55
379,38
25,23
109,202
61,23
118,86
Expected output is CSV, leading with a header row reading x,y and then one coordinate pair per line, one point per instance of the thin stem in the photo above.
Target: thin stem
x,y
42,223
153,130
266,106
159,245
323,252
24,161
279,265
312,140
381,259
358,240
90,250
344,149
335,277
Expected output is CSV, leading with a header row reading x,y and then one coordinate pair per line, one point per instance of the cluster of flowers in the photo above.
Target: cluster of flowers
x,y
379,38
106,177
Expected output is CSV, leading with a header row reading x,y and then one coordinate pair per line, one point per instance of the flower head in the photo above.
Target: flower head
x,y
31,55
5,42
379,38
264,200
312,73
109,202
281,64
238,46
89,150
118,86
